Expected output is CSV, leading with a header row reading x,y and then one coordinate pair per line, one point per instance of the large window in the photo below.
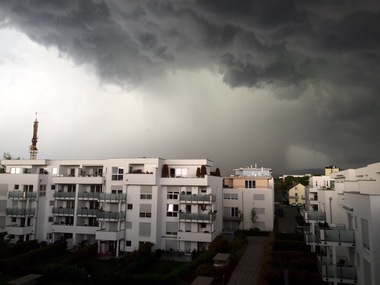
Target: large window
x,y
145,211
42,190
250,184
172,195
228,196
117,173
172,210
15,170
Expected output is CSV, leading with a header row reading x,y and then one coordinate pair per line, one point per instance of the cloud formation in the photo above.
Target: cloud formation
x,y
325,54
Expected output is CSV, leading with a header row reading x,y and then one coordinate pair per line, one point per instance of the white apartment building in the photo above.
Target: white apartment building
x,y
346,227
119,203
246,189
311,192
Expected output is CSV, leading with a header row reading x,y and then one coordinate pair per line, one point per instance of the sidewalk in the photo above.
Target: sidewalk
x,y
247,271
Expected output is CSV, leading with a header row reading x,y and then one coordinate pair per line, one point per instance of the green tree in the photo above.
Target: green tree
x,y
253,216
203,170
198,172
217,172
6,156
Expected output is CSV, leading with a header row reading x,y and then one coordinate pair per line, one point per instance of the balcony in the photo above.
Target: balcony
x,y
67,179
64,195
197,236
19,230
336,273
313,216
188,180
21,195
110,216
88,196
103,197
311,239
63,212
87,212
335,236
73,229
142,178
109,235
237,218
15,212
197,199
197,218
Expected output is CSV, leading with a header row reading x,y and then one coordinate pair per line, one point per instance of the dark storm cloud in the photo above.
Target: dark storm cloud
x,y
325,53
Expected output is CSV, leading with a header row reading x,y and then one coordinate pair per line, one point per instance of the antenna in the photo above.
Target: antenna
x,y
33,148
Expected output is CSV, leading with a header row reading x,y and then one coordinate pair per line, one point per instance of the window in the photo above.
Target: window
x,y
181,172
42,190
117,173
260,211
172,210
295,188
128,243
146,196
130,206
231,196
250,184
365,233
296,194
53,187
172,195
14,220
50,219
15,170
145,215
54,171
28,188
203,190
52,203
203,225
259,197
145,211
17,186
172,228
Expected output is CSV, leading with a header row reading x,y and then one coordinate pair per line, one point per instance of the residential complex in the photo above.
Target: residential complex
x,y
248,188
346,227
118,203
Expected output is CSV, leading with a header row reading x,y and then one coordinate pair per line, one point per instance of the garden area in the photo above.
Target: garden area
x,y
58,266
288,252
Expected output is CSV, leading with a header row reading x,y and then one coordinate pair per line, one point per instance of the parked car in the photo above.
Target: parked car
x,y
294,205
298,230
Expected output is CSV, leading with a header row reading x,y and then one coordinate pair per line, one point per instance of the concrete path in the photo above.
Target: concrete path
x,y
247,271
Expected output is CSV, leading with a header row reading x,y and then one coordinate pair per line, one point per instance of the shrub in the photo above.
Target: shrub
x,y
19,248
219,244
81,256
205,270
69,273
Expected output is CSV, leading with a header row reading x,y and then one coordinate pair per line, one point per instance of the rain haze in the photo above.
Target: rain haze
x,y
281,84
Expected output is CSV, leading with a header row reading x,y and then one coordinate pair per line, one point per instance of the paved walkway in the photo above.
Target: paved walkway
x,y
247,271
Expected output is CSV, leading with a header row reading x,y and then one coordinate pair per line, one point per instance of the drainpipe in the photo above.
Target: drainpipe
x,y
330,198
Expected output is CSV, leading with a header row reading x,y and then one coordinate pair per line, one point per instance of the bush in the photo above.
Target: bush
x,y
219,245
205,270
19,248
69,273
81,256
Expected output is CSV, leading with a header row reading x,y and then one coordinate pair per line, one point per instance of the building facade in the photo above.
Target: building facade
x,y
297,195
345,229
119,203
248,188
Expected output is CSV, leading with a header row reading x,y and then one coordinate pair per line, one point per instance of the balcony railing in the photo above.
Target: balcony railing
x,y
88,212
20,212
333,235
63,212
88,196
197,198
105,197
314,216
311,239
20,195
64,195
328,272
110,216
198,217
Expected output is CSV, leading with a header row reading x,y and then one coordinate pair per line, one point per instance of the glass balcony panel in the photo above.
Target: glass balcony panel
x,y
22,195
63,211
20,212
88,212
197,198
64,195
110,215
89,196
111,197
197,217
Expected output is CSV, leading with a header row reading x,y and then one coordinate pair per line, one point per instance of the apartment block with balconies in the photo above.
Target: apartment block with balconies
x,y
119,203
345,230
248,188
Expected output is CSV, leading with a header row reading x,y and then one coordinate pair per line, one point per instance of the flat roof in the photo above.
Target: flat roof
x,y
25,280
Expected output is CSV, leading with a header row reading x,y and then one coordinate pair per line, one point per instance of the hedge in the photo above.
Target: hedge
x,y
81,256
68,273
18,248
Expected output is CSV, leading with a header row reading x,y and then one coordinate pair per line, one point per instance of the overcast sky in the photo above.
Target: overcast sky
x,y
281,84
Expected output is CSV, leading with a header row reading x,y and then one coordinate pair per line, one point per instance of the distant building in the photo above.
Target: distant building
x,y
118,203
297,195
294,175
248,188
346,228
331,169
